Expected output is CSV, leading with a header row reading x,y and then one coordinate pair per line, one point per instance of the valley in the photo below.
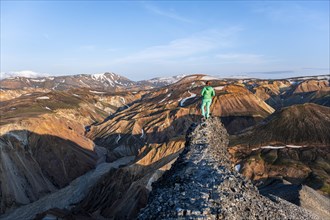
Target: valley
x,y
57,131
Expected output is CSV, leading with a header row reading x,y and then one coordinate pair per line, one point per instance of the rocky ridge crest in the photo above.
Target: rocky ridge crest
x,y
202,184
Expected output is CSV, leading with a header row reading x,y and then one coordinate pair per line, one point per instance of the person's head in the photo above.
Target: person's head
x,y
208,83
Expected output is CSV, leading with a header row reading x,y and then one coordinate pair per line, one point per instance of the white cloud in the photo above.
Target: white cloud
x,y
195,45
295,13
169,14
241,58
23,73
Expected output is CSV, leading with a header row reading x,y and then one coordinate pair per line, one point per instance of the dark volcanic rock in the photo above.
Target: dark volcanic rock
x,y
202,184
298,194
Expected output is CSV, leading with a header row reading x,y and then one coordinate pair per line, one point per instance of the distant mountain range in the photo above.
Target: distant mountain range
x,y
24,73
53,130
103,81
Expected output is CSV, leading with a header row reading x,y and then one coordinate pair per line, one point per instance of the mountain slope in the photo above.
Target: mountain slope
x,y
165,114
284,93
31,168
82,127
311,86
292,144
103,81
65,197
42,145
307,124
161,81
203,184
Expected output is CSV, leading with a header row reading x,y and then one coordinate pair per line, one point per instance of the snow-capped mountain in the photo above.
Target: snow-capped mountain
x,y
24,73
133,137
103,81
163,81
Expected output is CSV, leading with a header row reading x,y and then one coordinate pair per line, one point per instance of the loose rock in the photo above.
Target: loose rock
x,y
202,184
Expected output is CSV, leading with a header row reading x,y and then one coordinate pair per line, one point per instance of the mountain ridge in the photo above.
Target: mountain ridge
x,y
203,184
107,81
150,125
111,81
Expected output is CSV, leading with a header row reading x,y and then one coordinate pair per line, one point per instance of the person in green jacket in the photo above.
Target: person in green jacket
x,y
207,93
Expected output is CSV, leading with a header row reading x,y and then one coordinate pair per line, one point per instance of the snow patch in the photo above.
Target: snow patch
x,y
209,78
294,146
142,133
219,87
43,97
165,98
96,92
272,147
277,147
110,82
103,78
167,80
84,83
56,85
123,101
38,80
118,138
238,167
48,108
98,76
192,95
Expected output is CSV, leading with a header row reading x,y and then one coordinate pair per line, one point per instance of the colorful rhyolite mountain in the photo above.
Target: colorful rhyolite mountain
x,y
56,130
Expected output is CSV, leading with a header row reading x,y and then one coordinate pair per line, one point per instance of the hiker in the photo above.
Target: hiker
x,y
207,93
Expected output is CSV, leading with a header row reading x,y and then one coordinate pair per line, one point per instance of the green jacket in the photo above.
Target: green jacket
x,y
208,92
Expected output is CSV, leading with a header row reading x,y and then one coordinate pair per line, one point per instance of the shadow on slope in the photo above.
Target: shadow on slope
x,y
307,124
33,165
320,97
121,193
128,144
298,194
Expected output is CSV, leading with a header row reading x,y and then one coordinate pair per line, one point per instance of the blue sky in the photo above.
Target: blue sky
x,y
141,40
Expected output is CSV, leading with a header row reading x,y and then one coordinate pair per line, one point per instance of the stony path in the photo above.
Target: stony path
x,y
203,185
67,196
